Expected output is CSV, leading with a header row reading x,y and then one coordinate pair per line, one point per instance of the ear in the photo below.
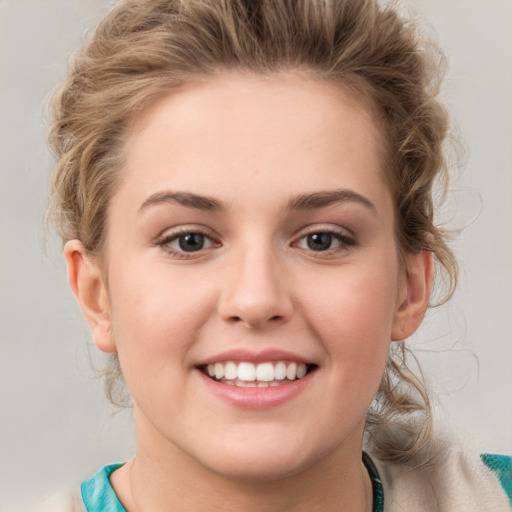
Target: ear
x,y
86,281
414,295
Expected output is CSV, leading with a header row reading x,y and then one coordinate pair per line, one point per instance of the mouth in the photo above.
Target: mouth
x,y
245,374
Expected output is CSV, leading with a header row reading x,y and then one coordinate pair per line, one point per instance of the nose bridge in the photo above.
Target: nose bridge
x,y
255,288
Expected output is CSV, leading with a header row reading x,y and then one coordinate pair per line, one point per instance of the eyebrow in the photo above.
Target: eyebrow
x,y
184,199
308,201
322,199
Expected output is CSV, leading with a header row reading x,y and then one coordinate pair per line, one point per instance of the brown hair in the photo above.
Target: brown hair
x,y
145,48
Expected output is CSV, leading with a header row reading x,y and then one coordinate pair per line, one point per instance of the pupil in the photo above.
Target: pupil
x,y
191,242
319,241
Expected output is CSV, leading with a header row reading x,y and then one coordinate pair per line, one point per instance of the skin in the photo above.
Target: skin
x,y
254,145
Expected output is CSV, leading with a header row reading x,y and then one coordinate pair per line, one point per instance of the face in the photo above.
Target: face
x,y
251,282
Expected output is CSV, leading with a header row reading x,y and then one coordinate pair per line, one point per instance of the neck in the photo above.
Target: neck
x,y
156,478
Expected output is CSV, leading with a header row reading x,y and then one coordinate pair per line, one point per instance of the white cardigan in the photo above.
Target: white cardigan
x,y
457,482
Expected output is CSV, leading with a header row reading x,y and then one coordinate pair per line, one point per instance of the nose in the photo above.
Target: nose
x,y
255,291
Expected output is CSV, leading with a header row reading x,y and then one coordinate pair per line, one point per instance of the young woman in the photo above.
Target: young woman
x,y
244,190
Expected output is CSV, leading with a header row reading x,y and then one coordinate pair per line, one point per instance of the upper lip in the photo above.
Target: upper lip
x,y
262,356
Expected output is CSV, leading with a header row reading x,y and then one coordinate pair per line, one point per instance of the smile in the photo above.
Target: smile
x,y
246,374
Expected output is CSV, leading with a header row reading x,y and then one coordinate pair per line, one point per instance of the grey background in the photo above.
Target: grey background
x,y
55,425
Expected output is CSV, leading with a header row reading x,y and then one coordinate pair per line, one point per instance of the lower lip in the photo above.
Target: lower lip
x,y
257,398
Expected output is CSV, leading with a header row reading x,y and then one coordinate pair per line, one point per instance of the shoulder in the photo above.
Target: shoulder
x,y
94,495
60,502
501,465
453,479
98,494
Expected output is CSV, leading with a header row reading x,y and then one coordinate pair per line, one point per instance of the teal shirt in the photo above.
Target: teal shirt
x,y
99,496
502,466
97,493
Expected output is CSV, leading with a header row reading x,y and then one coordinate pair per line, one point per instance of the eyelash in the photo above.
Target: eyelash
x,y
345,242
165,242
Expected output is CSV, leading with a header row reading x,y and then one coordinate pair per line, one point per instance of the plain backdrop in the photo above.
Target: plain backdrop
x,y
56,427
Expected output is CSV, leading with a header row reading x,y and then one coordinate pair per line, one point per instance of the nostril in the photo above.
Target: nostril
x,y
255,321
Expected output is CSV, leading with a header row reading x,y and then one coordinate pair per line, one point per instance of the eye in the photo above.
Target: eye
x,y
184,243
190,242
322,241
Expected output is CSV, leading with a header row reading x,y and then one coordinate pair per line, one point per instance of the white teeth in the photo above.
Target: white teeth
x,y
219,370
247,374
291,371
280,371
231,371
246,371
265,372
301,371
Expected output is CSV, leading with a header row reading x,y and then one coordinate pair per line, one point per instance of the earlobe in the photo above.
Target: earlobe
x,y
412,308
86,281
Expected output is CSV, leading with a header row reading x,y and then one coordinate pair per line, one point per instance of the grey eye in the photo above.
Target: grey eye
x,y
323,241
320,241
191,242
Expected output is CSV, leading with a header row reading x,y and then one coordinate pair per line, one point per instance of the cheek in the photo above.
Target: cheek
x,y
354,319
155,319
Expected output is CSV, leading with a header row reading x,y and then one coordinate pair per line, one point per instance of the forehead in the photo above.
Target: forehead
x,y
227,130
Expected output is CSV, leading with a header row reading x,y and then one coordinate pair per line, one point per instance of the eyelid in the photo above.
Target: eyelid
x,y
325,228
184,229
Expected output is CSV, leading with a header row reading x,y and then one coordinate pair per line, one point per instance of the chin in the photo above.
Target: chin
x,y
254,470
263,462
